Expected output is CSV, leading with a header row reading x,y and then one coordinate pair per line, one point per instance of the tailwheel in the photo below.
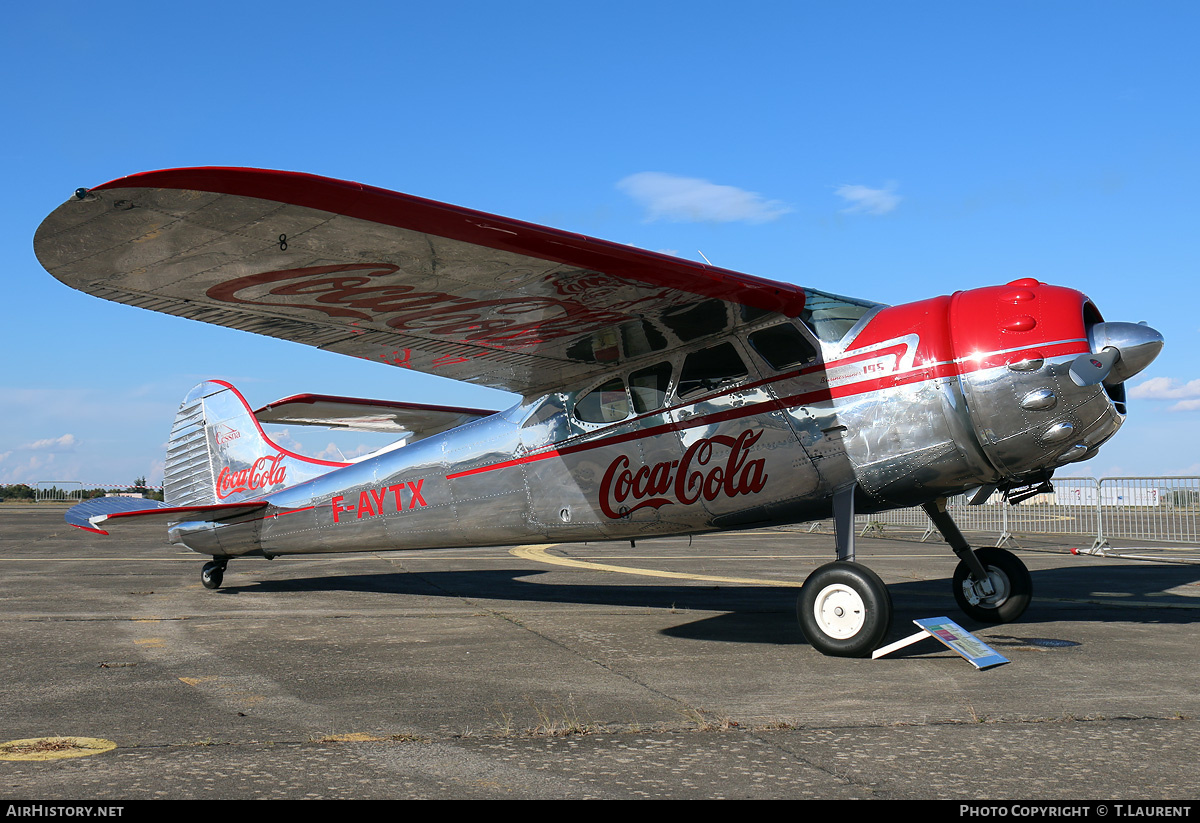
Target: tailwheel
x,y
844,610
1012,587
213,573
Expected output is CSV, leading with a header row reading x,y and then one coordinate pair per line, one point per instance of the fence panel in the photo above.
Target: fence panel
x,y
1069,509
57,490
1150,508
1163,509
987,517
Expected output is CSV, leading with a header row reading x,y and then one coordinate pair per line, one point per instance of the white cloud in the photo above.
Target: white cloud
x,y
1165,388
65,443
865,200
692,200
330,452
29,469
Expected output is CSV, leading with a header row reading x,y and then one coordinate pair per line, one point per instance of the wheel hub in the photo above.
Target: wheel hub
x,y
1000,587
839,611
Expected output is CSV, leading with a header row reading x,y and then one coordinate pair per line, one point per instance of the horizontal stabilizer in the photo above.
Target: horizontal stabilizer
x,y
421,420
107,511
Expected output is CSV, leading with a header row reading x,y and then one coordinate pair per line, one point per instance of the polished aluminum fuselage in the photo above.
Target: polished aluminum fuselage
x,y
900,419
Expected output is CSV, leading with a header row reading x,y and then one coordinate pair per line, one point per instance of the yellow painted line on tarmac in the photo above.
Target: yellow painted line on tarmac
x,y
540,554
823,557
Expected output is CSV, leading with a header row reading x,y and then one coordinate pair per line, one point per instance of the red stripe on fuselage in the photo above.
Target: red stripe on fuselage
x,y
932,371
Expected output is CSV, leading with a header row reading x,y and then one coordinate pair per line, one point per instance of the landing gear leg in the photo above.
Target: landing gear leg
x,y
844,608
213,572
990,585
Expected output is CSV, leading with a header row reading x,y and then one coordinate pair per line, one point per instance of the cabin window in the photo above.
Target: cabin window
x,y
607,403
783,346
709,368
649,387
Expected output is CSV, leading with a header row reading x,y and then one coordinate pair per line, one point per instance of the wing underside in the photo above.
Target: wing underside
x,y
418,420
390,278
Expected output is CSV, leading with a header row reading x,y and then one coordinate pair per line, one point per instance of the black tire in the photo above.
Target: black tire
x,y
212,574
1010,578
844,610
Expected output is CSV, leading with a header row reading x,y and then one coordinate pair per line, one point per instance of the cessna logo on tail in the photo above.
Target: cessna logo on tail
x,y
264,473
696,475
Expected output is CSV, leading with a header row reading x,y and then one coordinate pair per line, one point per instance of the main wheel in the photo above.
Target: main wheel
x,y
1010,579
212,574
844,610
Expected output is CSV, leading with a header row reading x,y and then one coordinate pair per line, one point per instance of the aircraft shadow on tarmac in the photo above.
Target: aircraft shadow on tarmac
x,y
751,614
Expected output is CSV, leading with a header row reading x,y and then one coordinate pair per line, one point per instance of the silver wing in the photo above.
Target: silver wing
x,y
390,278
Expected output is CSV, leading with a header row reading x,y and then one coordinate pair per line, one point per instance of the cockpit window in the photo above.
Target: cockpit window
x,y
707,369
783,346
607,403
830,316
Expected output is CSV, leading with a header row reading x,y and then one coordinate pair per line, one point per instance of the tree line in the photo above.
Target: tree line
x,y
21,491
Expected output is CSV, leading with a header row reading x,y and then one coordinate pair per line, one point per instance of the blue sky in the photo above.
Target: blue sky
x,y
892,151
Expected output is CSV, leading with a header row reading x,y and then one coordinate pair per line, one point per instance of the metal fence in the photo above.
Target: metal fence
x,y
1150,508
57,491
1128,508
71,491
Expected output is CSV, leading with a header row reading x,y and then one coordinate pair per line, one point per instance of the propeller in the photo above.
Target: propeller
x,y
1090,369
1119,351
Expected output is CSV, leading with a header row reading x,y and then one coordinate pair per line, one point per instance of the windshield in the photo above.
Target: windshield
x,y
830,316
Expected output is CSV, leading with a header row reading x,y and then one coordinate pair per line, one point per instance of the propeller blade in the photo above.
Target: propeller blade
x,y
1089,369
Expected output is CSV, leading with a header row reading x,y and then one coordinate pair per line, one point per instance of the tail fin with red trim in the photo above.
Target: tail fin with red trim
x,y
218,452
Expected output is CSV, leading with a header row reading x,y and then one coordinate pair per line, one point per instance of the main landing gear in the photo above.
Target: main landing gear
x,y
213,572
845,610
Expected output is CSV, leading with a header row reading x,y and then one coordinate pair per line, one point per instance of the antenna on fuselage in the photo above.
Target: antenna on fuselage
x,y
706,260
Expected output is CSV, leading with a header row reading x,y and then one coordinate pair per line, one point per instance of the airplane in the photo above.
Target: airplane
x,y
658,396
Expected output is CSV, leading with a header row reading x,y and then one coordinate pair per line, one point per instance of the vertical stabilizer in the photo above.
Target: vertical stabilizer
x,y
218,452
